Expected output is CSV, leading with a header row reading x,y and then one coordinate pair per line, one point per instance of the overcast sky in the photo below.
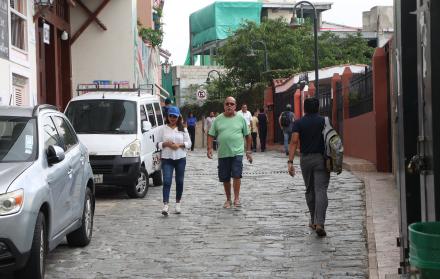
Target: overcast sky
x,y
176,17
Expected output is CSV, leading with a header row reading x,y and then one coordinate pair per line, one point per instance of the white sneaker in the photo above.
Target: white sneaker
x,y
165,210
178,209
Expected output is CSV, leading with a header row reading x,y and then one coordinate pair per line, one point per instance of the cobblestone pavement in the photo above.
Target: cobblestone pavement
x,y
267,238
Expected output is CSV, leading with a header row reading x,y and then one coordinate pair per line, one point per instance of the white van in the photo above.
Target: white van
x,y
117,126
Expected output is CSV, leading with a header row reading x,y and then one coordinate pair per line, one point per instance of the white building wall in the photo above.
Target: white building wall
x,y
22,63
188,78
104,55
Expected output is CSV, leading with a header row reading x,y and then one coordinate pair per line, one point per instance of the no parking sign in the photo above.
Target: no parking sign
x,y
201,94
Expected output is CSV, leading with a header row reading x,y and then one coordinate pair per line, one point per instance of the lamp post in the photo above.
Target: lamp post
x,y
315,31
208,79
266,60
166,67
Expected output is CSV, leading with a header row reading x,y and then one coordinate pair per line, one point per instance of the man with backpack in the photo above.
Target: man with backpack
x,y
309,131
286,123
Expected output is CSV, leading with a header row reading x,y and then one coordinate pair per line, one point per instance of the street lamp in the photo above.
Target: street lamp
x,y
266,60
208,79
166,67
315,31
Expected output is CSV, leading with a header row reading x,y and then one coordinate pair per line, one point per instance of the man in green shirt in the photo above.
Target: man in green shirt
x,y
230,130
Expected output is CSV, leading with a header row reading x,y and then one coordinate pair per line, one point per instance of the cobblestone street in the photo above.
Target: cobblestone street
x,y
267,238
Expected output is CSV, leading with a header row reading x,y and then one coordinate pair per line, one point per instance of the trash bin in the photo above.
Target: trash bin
x,y
424,248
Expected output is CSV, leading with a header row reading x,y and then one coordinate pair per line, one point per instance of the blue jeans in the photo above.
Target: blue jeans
x,y
168,166
287,135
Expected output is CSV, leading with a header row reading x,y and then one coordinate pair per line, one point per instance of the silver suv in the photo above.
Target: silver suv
x,y
46,188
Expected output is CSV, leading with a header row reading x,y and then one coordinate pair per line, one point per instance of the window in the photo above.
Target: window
x,y
158,114
50,133
19,24
151,115
18,139
19,90
143,116
115,116
66,134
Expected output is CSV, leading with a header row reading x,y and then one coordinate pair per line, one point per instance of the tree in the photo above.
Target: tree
x,y
287,48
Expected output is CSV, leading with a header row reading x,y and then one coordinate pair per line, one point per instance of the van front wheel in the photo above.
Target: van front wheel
x,y
157,178
140,187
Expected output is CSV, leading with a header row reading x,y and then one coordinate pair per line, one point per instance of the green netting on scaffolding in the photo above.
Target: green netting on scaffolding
x,y
218,20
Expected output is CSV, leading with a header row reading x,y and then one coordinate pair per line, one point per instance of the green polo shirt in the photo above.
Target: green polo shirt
x,y
230,133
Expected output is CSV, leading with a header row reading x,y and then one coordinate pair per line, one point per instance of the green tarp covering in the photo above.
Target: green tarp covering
x,y
218,20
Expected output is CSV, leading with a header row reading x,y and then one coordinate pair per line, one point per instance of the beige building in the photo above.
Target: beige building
x,y
117,54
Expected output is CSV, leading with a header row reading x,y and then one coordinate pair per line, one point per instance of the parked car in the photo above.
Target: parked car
x,y
118,128
46,188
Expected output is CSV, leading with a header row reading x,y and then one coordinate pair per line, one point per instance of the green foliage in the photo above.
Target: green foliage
x,y
155,37
290,50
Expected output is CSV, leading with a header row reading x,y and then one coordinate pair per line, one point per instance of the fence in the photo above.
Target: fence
x,y
325,101
361,94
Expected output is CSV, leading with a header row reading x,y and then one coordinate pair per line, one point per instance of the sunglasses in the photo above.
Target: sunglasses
x,y
172,116
229,104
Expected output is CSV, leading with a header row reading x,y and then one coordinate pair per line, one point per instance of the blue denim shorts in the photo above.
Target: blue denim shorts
x,y
230,167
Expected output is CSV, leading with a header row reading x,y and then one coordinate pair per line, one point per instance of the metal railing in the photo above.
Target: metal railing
x,y
361,94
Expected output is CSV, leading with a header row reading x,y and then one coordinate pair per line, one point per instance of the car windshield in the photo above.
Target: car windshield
x,y
18,139
103,116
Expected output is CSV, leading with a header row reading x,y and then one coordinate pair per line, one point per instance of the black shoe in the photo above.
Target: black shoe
x,y
287,153
320,230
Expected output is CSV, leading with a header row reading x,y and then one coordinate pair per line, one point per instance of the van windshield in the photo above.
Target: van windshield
x,y
103,116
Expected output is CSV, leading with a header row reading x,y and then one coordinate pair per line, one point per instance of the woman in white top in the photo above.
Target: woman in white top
x,y
173,139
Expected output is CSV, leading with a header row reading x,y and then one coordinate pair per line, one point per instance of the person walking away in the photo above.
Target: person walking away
x,y
254,131
166,107
230,129
246,115
173,139
191,125
208,124
308,131
286,122
262,129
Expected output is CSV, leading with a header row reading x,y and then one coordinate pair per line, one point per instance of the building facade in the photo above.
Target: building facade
x,y
17,53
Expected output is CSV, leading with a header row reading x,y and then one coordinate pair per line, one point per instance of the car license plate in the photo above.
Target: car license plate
x,y
98,178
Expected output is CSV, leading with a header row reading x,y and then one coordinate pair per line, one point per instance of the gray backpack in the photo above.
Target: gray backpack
x,y
334,151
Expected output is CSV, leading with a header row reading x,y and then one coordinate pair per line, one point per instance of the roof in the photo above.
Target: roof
x,y
16,111
336,27
319,6
324,73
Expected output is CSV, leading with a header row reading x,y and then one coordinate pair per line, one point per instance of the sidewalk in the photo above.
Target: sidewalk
x,y
382,217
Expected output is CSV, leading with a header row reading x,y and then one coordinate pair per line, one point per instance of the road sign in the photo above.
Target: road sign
x,y
201,94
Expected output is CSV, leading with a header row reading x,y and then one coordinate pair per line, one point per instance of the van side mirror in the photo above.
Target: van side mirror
x,y
55,154
146,126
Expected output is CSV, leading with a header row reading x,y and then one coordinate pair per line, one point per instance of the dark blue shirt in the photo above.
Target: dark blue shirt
x,y
310,128
262,121
191,121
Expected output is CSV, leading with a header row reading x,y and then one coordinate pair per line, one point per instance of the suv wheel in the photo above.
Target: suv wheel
x,y
157,178
140,188
82,236
35,267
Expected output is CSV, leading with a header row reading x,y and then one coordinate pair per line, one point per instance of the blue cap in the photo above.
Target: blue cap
x,y
174,111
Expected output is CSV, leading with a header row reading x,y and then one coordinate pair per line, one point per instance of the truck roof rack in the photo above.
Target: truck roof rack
x,y
39,108
84,88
